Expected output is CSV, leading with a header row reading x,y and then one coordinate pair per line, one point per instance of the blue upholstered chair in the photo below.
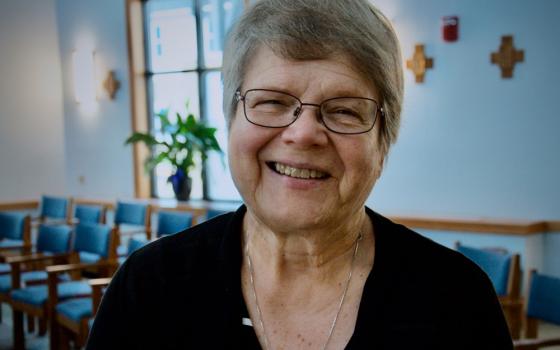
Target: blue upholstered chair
x,y
52,241
93,214
504,271
15,230
131,219
211,213
173,222
74,317
543,305
54,210
93,250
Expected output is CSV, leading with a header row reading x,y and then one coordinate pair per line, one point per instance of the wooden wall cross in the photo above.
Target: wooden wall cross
x,y
507,56
111,84
419,63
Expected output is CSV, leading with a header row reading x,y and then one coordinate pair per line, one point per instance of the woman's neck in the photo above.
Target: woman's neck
x,y
321,252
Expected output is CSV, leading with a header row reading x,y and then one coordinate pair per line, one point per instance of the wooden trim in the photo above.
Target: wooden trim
x,y
507,227
479,226
23,205
138,94
109,205
553,226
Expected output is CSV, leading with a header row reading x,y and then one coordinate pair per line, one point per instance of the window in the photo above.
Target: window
x,y
184,57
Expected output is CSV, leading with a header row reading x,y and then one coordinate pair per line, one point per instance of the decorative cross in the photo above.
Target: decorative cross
x,y
419,63
111,84
507,56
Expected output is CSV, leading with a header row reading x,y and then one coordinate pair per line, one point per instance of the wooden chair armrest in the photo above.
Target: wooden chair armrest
x,y
534,344
96,291
8,252
132,232
36,257
100,282
54,270
57,269
16,247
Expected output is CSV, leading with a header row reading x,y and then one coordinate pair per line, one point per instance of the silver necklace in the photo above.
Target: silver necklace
x,y
261,323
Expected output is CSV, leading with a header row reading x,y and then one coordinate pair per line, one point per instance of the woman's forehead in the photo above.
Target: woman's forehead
x,y
335,75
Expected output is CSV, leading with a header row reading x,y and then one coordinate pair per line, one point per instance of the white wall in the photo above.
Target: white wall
x,y
31,113
473,144
94,137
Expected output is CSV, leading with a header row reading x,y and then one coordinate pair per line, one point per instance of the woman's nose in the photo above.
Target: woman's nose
x,y
307,129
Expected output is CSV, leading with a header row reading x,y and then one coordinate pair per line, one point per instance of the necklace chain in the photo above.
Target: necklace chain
x,y
342,298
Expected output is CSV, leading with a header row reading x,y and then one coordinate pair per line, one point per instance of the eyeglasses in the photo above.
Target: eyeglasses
x,y
341,115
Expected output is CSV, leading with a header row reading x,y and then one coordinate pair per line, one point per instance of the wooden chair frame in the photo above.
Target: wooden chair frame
x,y
79,331
58,339
147,228
45,312
531,333
511,302
36,221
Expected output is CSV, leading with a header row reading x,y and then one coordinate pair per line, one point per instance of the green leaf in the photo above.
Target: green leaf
x,y
148,139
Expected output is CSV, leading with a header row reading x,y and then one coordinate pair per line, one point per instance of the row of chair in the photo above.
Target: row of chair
x,y
543,302
33,286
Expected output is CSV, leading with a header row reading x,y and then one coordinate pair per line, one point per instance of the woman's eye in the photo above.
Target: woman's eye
x,y
347,112
272,102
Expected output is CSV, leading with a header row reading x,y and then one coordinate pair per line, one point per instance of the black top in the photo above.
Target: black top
x,y
184,292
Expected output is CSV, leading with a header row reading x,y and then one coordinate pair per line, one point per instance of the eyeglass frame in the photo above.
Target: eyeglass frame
x,y
241,97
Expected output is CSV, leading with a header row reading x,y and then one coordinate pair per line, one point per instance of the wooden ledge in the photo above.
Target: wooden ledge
x,y
521,228
19,205
198,208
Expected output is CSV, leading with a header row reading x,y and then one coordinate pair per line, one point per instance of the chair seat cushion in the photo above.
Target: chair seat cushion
x,y
122,250
5,268
37,295
86,257
31,276
11,243
75,309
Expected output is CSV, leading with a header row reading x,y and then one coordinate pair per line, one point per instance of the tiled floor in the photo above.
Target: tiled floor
x,y
34,342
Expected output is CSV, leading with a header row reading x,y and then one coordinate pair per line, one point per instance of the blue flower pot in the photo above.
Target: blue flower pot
x,y
182,185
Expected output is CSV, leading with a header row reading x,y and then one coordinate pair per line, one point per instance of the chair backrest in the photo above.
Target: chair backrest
x,y
173,222
134,244
211,213
544,298
498,265
131,213
94,242
54,238
89,213
54,207
15,226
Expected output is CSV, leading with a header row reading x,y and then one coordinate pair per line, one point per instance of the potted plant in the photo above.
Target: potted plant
x,y
184,139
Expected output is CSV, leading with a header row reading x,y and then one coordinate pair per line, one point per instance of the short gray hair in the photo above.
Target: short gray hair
x,y
319,29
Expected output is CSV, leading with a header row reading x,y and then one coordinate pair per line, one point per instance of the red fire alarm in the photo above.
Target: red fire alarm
x,y
450,28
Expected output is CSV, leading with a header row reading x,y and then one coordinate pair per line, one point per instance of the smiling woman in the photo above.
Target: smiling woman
x,y
312,95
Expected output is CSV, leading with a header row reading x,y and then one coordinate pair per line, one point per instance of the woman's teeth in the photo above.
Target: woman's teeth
x,y
299,173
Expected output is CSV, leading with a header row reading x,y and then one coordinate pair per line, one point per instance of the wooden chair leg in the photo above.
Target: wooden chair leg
x,y
63,339
56,337
30,324
531,331
42,326
18,334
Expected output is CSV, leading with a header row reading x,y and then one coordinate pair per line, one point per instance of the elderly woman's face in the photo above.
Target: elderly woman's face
x,y
344,167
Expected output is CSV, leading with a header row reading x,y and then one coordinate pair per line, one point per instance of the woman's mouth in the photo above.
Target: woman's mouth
x,y
298,173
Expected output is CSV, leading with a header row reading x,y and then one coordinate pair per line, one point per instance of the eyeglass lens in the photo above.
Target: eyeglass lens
x,y
341,114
